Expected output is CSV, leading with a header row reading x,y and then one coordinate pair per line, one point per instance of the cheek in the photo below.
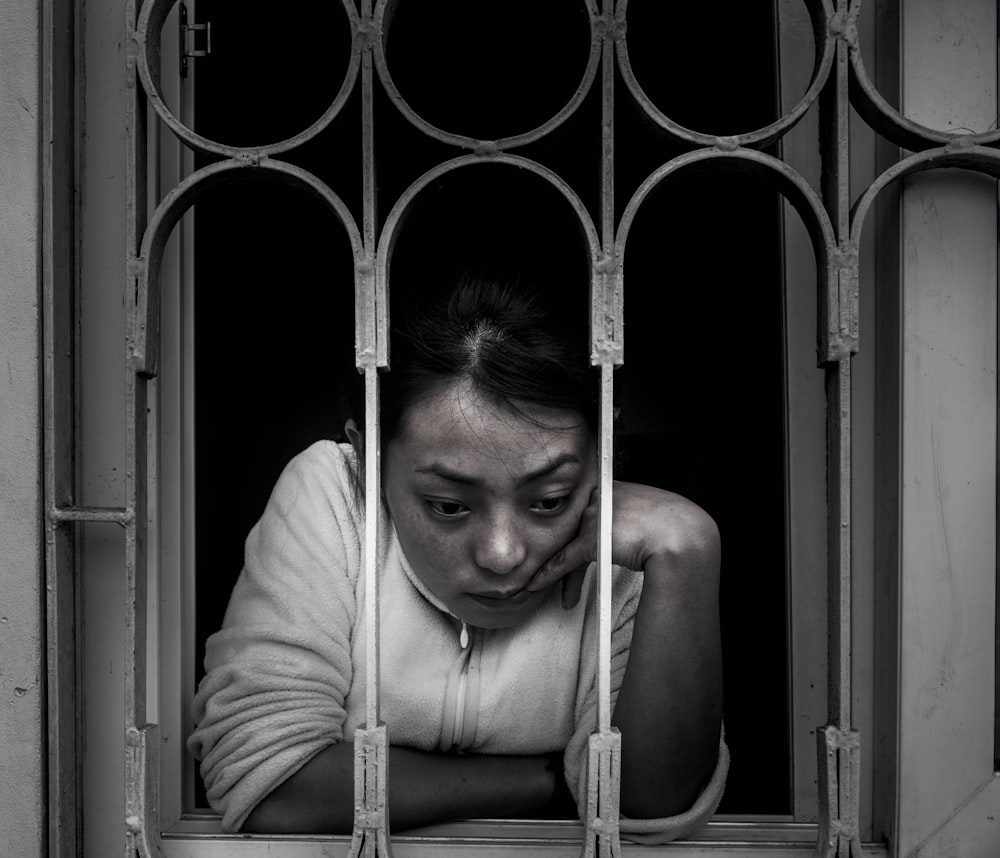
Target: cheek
x,y
560,532
424,545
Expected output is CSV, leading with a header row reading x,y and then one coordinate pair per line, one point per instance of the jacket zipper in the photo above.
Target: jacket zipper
x,y
463,685
459,703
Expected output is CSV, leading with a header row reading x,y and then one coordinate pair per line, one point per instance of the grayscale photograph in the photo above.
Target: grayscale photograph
x,y
456,428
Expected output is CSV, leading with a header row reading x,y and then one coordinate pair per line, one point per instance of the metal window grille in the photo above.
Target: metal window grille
x,y
839,79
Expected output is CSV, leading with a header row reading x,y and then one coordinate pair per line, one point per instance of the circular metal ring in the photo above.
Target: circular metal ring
x,y
821,14
891,124
145,347
475,144
147,50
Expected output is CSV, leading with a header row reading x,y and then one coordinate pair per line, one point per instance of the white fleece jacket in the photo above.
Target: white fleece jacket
x,y
286,673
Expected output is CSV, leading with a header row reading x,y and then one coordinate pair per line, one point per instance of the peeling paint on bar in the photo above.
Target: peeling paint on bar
x,y
601,834
370,837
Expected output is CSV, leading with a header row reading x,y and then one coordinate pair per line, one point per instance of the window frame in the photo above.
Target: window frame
x,y
942,471
98,551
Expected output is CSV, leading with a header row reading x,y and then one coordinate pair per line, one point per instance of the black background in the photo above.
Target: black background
x,y
702,390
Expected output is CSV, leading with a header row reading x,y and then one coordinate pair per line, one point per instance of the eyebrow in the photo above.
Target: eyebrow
x,y
444,472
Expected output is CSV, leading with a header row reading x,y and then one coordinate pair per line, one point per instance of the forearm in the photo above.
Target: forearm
x,y
423,788
669,706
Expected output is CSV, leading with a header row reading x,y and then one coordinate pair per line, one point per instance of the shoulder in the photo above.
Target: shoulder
x,y
652,522
315,495
323,460
689,529
325,467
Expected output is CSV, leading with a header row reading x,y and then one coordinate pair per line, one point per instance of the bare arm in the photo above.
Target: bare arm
x,y
669,706
424,788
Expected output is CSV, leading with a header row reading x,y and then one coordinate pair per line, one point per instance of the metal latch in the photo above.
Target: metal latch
x,y
195,41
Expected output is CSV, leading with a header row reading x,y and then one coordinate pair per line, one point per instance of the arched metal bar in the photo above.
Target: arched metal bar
x,y
888,121
837,342
142,299
383,21
825,29
788,182
605,744
144,45
144,348
958,155
390,231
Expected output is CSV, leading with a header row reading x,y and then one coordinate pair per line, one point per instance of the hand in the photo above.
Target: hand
x,y
646,522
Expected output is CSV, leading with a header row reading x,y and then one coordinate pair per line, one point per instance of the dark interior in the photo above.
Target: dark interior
x,y
702,390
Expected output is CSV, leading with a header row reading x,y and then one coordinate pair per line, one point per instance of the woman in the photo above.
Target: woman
x,y
489,474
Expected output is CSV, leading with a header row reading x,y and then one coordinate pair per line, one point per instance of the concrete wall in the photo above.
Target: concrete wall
x,y
22,670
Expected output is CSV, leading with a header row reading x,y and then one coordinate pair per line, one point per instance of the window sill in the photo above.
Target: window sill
x,y
201,837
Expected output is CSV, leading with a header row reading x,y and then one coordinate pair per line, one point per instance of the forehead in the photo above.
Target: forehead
x,y
457,425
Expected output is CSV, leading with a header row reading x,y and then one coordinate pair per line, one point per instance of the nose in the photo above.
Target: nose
x,y
500,547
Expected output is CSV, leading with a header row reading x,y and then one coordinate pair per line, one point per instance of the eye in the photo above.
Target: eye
x,y
448,509
550,504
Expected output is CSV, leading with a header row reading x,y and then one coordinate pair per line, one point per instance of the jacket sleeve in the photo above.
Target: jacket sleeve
x,y
278,672
625,600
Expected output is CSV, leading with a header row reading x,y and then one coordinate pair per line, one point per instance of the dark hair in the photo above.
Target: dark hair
x,y
504,339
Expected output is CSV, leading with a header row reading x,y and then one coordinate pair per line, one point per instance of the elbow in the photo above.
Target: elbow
x,y
668,790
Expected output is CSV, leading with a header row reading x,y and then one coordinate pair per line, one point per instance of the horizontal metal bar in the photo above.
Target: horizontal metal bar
x,y
114,514
202,846
723,828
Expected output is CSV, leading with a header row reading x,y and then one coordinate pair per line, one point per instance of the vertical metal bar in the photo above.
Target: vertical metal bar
x,y
839,542
371,749
604,758
371,373
607,379
379,320
372,502
606,299
141,741
135,219
604,552
838,743
839,390
610,26
372,472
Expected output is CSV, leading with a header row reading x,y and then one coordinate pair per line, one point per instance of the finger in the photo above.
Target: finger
x,y
572,587
571,556
547,573
578,551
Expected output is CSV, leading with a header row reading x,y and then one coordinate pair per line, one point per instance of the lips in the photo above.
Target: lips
x,y
500,594
500,599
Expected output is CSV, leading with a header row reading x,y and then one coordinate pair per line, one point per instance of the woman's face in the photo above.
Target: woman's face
x,y
481,497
